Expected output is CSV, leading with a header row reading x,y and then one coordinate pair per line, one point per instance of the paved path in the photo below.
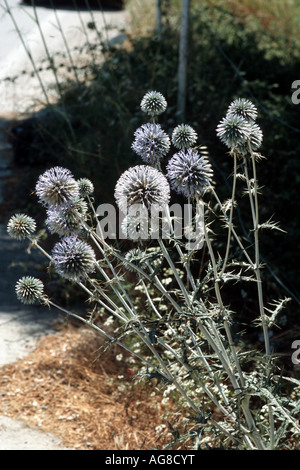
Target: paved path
x,y
21,326
15,435
79,28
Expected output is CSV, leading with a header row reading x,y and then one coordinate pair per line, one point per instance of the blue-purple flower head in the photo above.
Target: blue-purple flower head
x,y
73,258
233,130
238,130
66,219
142,185
255,140
151,143
184,136
56,186
153,103
29,289
190,172
21,226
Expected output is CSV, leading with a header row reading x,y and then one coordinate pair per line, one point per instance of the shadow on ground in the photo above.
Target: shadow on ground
x,y
77,4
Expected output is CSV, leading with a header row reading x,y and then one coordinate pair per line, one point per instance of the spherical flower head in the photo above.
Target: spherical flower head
x,y
255,140
86,187
244,108
151,143
29,289
153,103
234,130
184,136
66,219
21,226
142,185
56,186
73,258
135,257
190,173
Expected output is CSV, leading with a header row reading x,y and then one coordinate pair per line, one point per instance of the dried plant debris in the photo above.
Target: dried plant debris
x,y
90,403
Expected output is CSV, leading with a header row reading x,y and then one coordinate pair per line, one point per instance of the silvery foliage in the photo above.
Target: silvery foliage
x,y
168,313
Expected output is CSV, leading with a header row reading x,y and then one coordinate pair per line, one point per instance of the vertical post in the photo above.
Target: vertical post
x,y
158,19
182,66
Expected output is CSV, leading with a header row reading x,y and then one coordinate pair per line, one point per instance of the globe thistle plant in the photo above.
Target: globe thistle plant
x,y
151,143
21,226
174,305
189,173
56,186
29,289
153,103
66,218
244,108
142,185
86,187
184,136
73,258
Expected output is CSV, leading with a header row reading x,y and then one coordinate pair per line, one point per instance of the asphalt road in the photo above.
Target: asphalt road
x,y
9,40
23,27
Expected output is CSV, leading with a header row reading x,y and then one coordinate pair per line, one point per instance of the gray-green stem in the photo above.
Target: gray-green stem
x,y
230,215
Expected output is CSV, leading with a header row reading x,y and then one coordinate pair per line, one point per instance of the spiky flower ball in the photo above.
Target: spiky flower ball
x,y
184,136
29,289
66,219
56,186
137,258
151,143
234,130
190,173
86,187
21,226
142,185
153,103
255,140
238,130
244,108
73,258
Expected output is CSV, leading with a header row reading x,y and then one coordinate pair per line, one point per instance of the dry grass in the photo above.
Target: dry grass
x,y
63,389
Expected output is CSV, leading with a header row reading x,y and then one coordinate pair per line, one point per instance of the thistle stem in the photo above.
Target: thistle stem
x,y
255,218
230,216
